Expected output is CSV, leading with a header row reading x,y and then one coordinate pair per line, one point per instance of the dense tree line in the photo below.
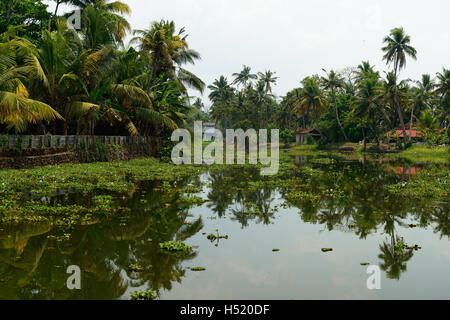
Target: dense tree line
x,y
54,79
353,104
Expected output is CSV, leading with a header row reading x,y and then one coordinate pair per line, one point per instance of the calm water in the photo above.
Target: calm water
x,y
363,224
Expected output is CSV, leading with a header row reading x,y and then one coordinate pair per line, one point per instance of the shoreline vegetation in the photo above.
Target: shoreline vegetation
x,y
26,194
57,80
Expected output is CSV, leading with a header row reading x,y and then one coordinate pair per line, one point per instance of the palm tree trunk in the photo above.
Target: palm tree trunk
x,y
400,114
338,120
58,2
411,122
402,122
364,139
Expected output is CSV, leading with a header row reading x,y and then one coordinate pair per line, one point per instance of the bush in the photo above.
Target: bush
x,y
4,143
435,137
322,142
310,140
287,136
165,152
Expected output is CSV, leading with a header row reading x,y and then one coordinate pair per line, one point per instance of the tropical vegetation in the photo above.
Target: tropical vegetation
x,y
58,80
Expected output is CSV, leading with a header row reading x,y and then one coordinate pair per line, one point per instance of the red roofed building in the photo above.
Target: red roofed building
x,y
411,131
397,133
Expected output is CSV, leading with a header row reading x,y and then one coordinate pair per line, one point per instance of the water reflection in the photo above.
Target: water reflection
x,y
342,196
34,258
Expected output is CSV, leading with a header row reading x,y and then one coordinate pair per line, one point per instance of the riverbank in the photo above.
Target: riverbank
x,y
18,158
415,154
425,154
40,193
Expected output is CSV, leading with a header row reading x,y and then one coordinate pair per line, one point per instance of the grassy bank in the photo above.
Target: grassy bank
x,y
424,154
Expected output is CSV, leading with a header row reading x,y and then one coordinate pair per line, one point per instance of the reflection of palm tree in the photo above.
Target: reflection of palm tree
x,y
442,220
393,263
103,257
232,186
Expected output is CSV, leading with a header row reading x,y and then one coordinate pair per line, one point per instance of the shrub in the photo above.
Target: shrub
x,y
287,136
4,143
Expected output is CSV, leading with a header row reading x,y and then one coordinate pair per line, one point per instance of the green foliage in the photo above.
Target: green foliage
x,y
101,150
31,14
287,136
19,145
165,151
4,143
435,137
175,247
115,148
148,294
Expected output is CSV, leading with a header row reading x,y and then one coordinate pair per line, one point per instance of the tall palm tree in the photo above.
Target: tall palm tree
x,y
443,90
443,85
220,90
62,71
311,100
367,106
422,95
113,11
243,77
334,81
427,120
169,51
268,78
395,94
261,98
17,110
396,50
58,3
365,70
222,95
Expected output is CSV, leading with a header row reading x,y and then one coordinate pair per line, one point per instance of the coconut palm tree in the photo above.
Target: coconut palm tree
x,y
169,51
422,95
220,90
395,94
443,91
261,98
365,70
334,81
59,64
311,100
368,107
17,110
112,11
427,120
58,3
396,50
268,78
222,96
244,77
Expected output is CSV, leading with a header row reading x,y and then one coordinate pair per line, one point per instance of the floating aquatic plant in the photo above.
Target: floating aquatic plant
x,y
148,294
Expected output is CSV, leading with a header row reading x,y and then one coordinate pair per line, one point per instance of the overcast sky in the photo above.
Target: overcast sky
x,y
297,38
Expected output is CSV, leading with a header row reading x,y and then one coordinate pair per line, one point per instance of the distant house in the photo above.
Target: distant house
x,y
410,132
301,136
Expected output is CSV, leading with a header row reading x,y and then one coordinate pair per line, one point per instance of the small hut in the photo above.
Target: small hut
x,y
302,135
